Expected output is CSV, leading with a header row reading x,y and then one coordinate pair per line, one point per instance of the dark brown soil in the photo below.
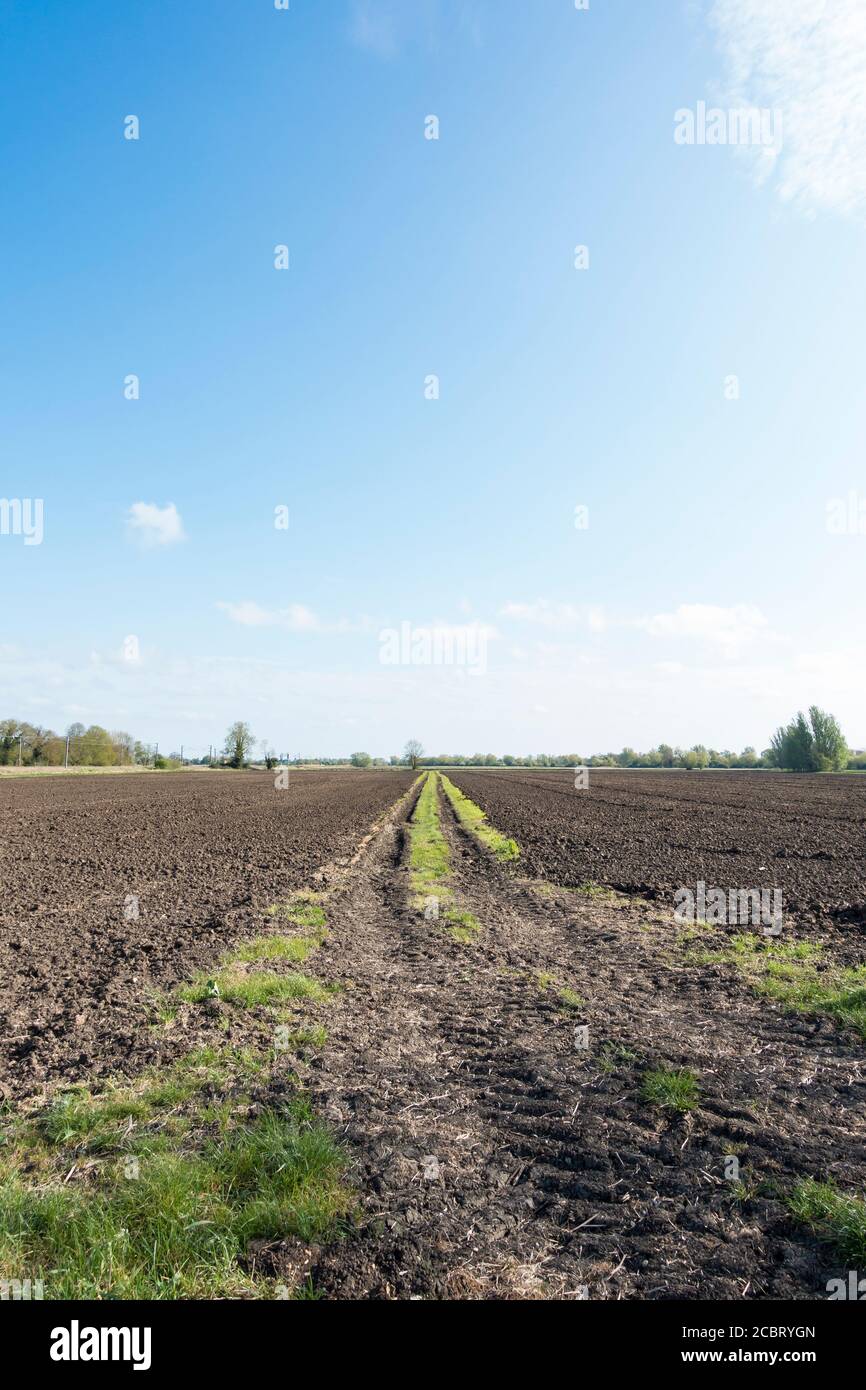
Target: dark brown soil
x,y
492,1157
654,832
495,1160
204,853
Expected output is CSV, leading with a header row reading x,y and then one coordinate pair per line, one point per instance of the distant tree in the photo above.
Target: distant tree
x,y
360,760
8,738
93,748
696,757
815,744
412,753
40,743
239,743
830,749
269,757
124,747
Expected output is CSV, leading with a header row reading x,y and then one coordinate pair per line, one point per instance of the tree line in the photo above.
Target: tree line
x,y
33,745
808,743
813,744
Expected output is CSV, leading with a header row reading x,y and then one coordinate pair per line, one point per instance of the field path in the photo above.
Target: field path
x,y
494,1156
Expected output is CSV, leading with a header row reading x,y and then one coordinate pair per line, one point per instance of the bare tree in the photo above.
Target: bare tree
x,y
413,752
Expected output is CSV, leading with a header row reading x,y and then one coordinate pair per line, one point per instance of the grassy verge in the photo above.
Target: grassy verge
x,y
155,1189
473,819
797,975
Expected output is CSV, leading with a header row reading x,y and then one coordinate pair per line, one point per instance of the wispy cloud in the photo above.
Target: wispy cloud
x,y
808,59
384,27
557,617
373,27
728,629
295,618
154,526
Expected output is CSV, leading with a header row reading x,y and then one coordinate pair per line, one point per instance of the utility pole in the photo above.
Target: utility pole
x,y
66,761
181,755
20,745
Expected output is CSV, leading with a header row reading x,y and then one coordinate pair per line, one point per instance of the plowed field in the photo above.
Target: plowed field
x,y
653,832
114,887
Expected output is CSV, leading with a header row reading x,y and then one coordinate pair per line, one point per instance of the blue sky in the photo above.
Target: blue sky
x,y
706,600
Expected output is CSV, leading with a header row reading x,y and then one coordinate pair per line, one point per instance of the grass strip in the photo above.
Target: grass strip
x,y
473,819
256,988
429,858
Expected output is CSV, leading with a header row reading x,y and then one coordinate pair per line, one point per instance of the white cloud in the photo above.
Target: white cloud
x,y
384,27
808,59
295,618
374,28
153,525
193,698
558,617
726,628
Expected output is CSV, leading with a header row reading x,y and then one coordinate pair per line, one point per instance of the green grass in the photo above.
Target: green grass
x,y
429,859
304,910
89,1124
160,1215
256,988
545,981
291,948
305,1037
593,890
796,975
832,1216
462,926
671,1088
615,1057
473,819
430,864
570,1000
154,1189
